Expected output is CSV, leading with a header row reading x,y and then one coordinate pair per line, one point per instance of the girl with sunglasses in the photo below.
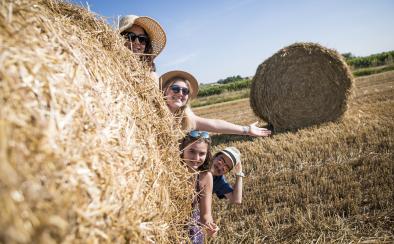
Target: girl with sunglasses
x,y
179,88
143,36
196,153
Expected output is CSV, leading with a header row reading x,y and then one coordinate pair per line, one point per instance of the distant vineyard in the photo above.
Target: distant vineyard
x,y
214,89
374,60
361,66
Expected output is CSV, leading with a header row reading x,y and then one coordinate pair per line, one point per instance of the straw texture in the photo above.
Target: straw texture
x,y
301,85
87,151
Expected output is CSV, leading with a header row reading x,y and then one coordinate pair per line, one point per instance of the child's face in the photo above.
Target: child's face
x,y
195,154
221,165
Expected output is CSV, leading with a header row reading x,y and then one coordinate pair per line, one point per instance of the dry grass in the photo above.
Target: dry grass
x,y
328,183
81,160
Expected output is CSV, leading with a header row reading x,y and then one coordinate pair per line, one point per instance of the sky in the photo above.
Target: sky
x,y
216,39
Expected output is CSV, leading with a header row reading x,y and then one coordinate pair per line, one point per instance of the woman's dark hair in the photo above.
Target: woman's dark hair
x,y
148,59
149,50
187,140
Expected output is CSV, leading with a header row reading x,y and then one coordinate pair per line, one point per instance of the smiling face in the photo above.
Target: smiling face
x,y
195,154
176,98
136,46
221,165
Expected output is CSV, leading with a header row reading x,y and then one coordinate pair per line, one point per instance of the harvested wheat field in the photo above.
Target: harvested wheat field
x,y
80,160
328,183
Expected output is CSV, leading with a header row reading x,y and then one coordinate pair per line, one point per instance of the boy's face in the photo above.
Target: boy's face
x,y
221,165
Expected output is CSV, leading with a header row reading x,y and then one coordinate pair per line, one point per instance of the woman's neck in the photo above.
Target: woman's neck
x,y
173,110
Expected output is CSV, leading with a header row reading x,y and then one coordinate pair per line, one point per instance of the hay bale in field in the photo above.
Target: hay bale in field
x,y
301,85
87,152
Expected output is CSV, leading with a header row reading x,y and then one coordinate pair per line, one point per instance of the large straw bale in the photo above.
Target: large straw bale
x,y
86,146
301,85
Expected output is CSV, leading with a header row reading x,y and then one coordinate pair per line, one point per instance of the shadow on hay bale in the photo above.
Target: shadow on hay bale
x,y
301,85
81,160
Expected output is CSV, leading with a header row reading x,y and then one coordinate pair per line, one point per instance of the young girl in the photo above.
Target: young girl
x,y
196,153
179,88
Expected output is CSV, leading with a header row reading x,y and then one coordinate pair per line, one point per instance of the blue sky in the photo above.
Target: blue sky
x,y
214,39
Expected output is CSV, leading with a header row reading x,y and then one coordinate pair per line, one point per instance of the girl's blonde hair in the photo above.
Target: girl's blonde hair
x,y
182,115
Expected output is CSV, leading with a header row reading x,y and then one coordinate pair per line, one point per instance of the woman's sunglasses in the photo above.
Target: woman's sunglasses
x,y
198,134
130,36
178,89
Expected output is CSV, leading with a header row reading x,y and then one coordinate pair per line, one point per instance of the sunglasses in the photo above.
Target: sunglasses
x,y
178,89
130,36
198,134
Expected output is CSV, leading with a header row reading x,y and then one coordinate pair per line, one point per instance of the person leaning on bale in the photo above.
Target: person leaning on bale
x,y
195,151
145,37
223,162
179,88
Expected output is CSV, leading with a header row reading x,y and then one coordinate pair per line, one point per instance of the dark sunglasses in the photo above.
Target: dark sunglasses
x,y
198,134
177,89
130,36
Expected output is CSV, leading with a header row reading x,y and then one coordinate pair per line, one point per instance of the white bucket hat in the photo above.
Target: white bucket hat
x,y
181,74
232,153
154,30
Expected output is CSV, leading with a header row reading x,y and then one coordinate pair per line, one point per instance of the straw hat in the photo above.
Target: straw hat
x,y
155,32
232,153
169,76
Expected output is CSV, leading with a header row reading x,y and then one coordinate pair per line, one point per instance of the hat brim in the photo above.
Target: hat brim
x,y
227,155
181,74
154,30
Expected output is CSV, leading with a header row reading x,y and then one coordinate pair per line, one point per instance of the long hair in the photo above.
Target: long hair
x,y
181,115
187,140
148,59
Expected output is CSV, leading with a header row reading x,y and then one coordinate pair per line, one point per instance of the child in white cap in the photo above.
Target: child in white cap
x,y
223,162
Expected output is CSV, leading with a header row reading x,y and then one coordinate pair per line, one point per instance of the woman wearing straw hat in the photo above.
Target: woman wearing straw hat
x,y
223,162
144,36
179,87
196,153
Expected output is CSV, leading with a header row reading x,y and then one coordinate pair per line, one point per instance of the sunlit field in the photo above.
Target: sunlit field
x,y
328,183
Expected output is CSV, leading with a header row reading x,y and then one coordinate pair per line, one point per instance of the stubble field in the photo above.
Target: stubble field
x,y
328,183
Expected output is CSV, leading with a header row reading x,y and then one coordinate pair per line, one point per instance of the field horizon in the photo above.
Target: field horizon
x,y
327,183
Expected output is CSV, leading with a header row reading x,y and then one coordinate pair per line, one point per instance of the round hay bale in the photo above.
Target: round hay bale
x,y
87,149
301,85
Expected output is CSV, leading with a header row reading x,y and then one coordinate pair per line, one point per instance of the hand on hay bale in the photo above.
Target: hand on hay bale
x,y
179,88
211,229
254,130
196,154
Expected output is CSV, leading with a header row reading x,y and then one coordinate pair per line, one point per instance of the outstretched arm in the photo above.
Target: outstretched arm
x,y
224,127
206,185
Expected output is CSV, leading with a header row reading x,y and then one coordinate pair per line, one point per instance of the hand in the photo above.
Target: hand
x,y
211,229
238,168
257,131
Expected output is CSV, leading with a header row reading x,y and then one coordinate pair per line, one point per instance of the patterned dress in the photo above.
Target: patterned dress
x,y
196,233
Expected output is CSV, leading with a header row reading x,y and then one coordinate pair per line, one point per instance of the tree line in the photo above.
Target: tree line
x,y
360,66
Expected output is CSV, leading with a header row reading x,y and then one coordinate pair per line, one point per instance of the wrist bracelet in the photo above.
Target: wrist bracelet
x,y
245,129
240,174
